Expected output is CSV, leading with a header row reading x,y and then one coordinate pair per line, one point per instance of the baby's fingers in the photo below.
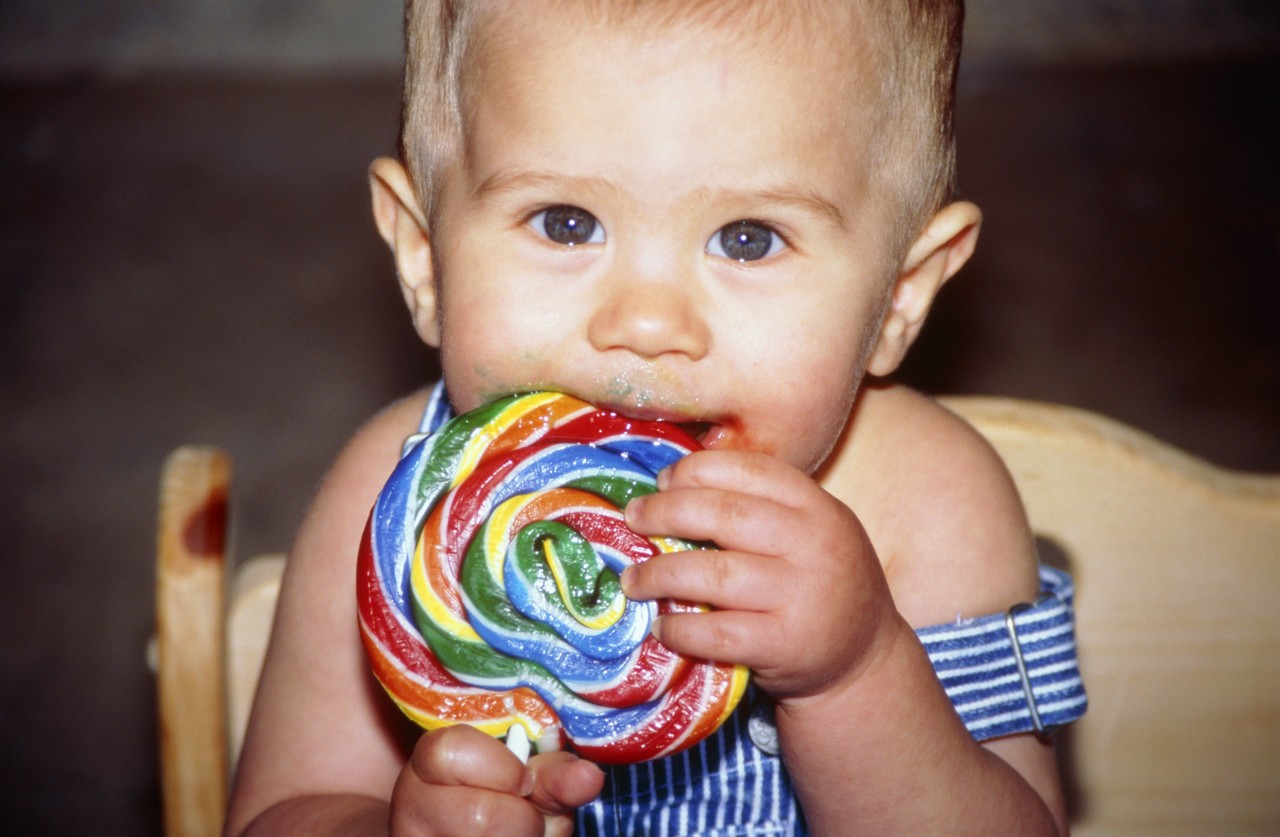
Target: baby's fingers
x,y
563,782
736,470
462,782
749,639
461,755
732,519
720,578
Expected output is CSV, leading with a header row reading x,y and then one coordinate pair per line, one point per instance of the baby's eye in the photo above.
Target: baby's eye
x,y
568,225
744,241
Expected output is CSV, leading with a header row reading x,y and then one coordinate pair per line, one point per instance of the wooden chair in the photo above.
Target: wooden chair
x,y
208,652
1177,568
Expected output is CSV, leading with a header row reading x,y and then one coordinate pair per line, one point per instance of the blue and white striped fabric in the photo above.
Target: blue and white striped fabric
x,y
438,410
726,785
733,784
978,666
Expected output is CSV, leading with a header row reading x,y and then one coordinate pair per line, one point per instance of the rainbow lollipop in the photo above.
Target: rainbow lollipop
x,y
488,586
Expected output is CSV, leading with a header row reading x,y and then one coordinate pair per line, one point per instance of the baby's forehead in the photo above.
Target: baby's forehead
x,y
617,106
835,35
823,57
819,25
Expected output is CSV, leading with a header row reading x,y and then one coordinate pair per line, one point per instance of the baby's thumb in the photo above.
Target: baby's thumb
x,y
562,782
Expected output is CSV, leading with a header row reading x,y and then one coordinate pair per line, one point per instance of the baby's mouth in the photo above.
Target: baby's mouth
x,y
699,430
705,432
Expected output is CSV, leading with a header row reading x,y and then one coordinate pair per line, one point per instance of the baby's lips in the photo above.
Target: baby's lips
x,y
697,429
709,434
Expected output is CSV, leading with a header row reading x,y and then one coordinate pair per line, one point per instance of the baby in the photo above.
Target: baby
x,y
733,215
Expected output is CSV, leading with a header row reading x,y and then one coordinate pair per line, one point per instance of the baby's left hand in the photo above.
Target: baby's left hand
x,y
799,594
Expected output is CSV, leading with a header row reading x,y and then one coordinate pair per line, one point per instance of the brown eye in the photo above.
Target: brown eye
x,y
743,241
569,225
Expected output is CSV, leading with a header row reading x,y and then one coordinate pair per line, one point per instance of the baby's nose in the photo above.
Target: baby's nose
x,y
650,318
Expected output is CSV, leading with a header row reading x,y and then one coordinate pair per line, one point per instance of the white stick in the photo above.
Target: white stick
x,y
518,742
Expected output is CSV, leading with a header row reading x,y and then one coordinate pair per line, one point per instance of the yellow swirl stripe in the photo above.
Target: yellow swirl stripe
x,y
434,605
437,590
537,413
517,512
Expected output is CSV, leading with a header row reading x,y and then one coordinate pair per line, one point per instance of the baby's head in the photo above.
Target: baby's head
x,y
715,212
913,46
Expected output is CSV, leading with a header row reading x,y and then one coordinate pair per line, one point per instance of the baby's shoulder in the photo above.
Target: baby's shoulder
x,y
385,432
363,465
939,505
905,447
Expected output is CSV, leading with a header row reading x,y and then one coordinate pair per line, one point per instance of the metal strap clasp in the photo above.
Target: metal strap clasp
x,y
1023,675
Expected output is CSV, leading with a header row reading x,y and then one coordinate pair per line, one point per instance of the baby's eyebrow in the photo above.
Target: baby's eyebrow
x,y
507,181
800,199
518,180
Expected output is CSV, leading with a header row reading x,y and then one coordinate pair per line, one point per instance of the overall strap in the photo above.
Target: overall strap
x,y
1015,671
438,410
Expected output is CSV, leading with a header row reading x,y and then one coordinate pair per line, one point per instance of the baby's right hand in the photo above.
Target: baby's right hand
x,y
460,781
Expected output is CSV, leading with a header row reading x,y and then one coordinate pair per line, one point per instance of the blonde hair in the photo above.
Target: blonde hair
x,y
917,47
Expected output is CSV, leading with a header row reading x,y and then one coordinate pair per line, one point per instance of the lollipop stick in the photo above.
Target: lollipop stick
x,y
518,742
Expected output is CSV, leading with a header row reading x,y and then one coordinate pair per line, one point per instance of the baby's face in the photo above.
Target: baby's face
x,y
677,227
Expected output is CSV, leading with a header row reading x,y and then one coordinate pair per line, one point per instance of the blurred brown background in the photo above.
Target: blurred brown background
x,y
186,255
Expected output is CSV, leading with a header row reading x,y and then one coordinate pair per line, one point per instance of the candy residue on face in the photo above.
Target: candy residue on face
x,y
488,584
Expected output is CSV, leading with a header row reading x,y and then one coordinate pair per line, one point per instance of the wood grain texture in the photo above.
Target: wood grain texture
x,y
1177,569
191,561
253,606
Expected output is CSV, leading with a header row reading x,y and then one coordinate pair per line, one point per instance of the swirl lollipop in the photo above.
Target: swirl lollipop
x,y
488,585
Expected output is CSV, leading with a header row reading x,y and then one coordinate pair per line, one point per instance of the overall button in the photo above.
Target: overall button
x,y
762,728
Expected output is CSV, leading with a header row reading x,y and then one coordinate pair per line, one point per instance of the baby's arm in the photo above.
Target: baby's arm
x,y
320,741
826,620
326,750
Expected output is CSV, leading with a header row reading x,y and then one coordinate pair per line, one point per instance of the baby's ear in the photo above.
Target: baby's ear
x,y
402,224
934,257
